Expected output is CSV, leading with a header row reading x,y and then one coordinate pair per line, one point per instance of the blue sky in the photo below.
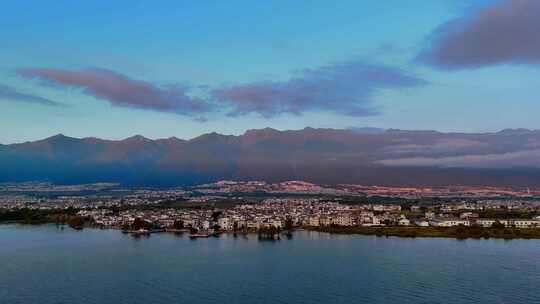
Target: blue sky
x,y
112,69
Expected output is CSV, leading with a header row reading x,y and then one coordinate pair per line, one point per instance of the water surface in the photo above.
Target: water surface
x,y
43,264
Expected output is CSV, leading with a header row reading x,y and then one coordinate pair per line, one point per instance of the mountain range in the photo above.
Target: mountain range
x,y
326,156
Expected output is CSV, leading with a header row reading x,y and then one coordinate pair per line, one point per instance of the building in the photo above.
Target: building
x,y
468,215
325,221
524,223
225,223
344,219
314,221
422,223
451,222
404,222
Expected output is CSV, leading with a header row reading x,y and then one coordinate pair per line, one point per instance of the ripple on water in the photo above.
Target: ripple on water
x,y
95,266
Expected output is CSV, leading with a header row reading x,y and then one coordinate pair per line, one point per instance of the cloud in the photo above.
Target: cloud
x,y
345,88
10,93
122,91
524,158
506,32
440,146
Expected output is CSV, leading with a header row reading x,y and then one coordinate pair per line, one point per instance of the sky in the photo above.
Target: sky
x,y
112,69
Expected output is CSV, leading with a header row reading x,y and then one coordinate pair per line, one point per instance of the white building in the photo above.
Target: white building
x,y
422,223
449,222
404,222
225,223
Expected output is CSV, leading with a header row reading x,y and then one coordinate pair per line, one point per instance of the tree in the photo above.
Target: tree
x,y
125,227
288,225
288,228
461,230
216,215
268,233
498,225
178,224
139,223
76,222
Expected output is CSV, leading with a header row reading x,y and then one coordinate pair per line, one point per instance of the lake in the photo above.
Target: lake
x,y
44,264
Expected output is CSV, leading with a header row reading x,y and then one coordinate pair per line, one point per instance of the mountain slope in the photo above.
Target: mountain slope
x,y
385,157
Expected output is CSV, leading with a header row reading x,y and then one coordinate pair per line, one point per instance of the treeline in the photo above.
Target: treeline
x,y
459,232
138,224
273,233
269,233
38,217
31,216
505,214
405,203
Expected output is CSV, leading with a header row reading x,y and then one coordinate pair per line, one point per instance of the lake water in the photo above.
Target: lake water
x,y
45,265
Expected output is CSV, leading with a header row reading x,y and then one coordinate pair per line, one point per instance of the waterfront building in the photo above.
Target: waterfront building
x,y
449,222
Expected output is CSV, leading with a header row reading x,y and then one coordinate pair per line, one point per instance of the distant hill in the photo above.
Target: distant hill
x,y
328,156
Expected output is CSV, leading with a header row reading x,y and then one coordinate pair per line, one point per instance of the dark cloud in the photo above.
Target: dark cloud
x,y
506,32
343,88
10,93
120,90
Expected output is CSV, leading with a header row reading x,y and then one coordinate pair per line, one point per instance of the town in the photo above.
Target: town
x,y
313,213
249,207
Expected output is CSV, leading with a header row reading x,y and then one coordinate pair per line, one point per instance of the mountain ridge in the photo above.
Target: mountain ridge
x,y
392,157
360,130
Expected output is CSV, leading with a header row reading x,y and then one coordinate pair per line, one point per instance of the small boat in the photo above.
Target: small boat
x,y
199,235
140,232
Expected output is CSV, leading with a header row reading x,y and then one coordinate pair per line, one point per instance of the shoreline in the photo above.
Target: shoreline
x,y
437,232
380,231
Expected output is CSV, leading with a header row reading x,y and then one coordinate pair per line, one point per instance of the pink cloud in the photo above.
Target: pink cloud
x,y
121,90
